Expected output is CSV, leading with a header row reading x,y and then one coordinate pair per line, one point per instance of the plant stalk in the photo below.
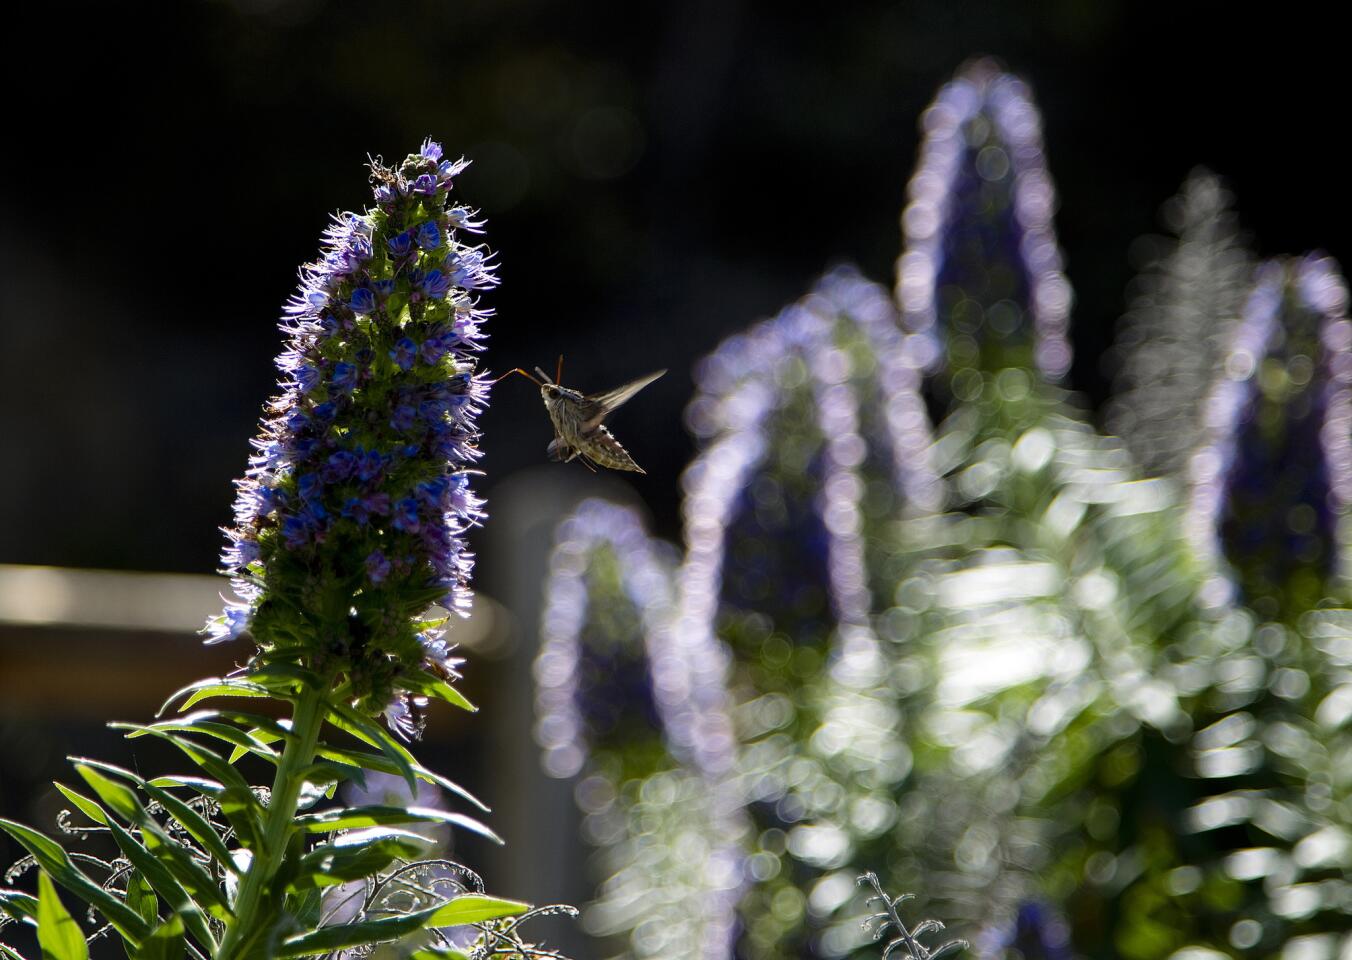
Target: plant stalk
x,y
244,931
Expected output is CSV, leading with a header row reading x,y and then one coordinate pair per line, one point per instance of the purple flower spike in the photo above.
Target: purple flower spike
x,y
590,692
320,512
981,274
1272,487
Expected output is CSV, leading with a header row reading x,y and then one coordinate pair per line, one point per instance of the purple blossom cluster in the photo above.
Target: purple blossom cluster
x,y
981,257
1271,487
562,727
734,409
1035,932
350,521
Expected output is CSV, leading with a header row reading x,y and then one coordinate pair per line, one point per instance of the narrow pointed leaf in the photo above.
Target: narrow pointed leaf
x,y
164,883
23,907
237,801
59,936
469,908
197,825
206,689
375,816
435,687
342,861
141,898
360,759
202,889
166,943
350,721
54,860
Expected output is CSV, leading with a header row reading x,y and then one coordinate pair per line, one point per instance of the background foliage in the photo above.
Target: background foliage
x,y
1083,697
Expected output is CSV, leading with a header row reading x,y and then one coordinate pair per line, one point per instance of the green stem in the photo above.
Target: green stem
x,y
250,918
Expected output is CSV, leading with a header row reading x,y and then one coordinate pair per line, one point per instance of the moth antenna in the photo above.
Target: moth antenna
x,y
545,377
520,371
558,377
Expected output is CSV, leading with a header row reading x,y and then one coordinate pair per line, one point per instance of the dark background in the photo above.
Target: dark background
x,y
656,176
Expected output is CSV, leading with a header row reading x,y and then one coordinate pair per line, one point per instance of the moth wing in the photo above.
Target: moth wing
x,y
596,407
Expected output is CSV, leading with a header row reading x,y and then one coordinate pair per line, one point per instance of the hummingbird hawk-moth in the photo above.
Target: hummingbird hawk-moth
x,y
579,433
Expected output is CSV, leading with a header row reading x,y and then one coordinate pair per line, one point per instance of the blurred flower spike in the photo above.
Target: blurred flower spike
x,y
1035,933
612,680
980,276
350,521
593,657
1272,487
824,355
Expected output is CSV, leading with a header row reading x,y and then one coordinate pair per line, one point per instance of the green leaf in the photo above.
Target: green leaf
x,y
438,953
236,798
166,943
203,890
360,759
203,723
19,905
376,816
469,908
355,858
350,721
82,803
55,861
162,881
206,689
59,936
430,686
197,826
141,898
9,953
475,908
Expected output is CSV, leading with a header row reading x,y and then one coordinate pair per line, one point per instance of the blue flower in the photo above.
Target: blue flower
x,y
430,149
371,466
363,301
339,466
309,485
425,184
307,378
406,515
344,377
400,245
377,566
404,353
435,285
429,235
230,624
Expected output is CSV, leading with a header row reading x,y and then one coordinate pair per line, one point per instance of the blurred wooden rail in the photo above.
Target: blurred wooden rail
x,y
90,644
